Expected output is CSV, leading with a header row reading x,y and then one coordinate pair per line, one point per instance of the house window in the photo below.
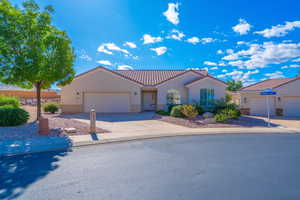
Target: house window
x,y
173,97
207,96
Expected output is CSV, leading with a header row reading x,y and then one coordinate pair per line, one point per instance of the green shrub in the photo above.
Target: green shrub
x,y
176,111
221,118
5,100
222,104
231,113
189,111
162,112
12,116
51,107
170,107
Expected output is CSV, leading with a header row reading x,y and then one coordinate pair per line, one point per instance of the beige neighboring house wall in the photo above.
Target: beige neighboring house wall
x,y
98,81
284,95
178,84
194,89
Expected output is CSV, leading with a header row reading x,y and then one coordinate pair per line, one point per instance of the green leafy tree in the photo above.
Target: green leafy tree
x,y
234,85
33,52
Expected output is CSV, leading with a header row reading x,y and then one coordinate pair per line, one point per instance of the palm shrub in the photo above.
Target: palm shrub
x,y
13,101
12,116
189,111
176,111
51,107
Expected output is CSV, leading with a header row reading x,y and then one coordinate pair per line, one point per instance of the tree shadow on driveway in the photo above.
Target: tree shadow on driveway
x,y
19,172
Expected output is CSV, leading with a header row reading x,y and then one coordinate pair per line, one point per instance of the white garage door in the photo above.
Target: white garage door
x,y
258,106
107,102
291,106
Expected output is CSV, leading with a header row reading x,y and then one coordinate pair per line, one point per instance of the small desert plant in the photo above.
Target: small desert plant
x,y
221,118
176,111
5,100
231,113
189,111
51,107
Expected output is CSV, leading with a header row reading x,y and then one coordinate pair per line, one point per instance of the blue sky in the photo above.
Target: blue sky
x,y
248,40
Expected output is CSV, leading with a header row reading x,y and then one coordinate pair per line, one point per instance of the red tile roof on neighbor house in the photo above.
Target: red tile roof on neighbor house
x,y
269,83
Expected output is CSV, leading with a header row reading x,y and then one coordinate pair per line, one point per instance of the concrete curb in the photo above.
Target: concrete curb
x,y
16,147
181,134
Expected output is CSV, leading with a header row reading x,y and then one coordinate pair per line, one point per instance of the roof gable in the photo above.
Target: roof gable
x,y
201,78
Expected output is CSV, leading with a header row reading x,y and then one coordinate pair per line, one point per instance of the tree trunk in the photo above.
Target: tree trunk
x,y
38,98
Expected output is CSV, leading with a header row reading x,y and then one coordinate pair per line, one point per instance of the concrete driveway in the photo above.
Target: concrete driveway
x,y
128,123
288,122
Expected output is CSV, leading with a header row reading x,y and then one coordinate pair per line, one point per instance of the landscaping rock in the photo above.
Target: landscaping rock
x,y
70,130
207,115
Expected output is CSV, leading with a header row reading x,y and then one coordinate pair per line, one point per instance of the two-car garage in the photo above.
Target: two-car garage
x,y
291,106
104,102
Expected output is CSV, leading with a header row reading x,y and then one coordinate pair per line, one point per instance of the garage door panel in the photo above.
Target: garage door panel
x,y
258,106
107,102
291,107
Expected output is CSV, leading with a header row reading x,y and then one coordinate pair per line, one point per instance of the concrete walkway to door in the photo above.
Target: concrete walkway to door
x,y
128,123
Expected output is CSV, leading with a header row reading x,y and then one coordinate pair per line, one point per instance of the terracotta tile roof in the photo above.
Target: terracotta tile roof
x,y
269,83
155,77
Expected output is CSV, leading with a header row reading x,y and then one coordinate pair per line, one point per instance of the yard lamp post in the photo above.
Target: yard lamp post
x,y
93,121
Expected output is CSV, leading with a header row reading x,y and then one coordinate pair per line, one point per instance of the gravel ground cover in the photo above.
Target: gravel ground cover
x,y
57,124
198,122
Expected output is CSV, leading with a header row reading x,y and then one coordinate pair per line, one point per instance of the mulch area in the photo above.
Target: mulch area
x,y
198,122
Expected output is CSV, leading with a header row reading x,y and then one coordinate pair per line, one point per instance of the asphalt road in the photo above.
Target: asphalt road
x,y
221,167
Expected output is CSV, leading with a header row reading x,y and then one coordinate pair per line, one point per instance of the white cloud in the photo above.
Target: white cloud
x,y
160,50
229,51
277,74
239,75
220,51
148,39
242,43
214,68
290,66
222,64
193,40
125,67
224,70
104,62
172,13
130,44
83,55
242,28
109,47
207,40
209,63
262,55
279,30
176,35
296,60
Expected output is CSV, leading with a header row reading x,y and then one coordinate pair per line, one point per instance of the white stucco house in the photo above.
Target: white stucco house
x,y
286,102
122,91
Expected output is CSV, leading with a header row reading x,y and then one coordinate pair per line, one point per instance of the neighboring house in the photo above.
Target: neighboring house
x,y
121,91
286,102
27,96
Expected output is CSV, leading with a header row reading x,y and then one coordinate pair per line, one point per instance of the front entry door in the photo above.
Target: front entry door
x,y
149,101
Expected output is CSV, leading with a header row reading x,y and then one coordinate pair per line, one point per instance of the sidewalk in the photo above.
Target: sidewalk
x,y
13,147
